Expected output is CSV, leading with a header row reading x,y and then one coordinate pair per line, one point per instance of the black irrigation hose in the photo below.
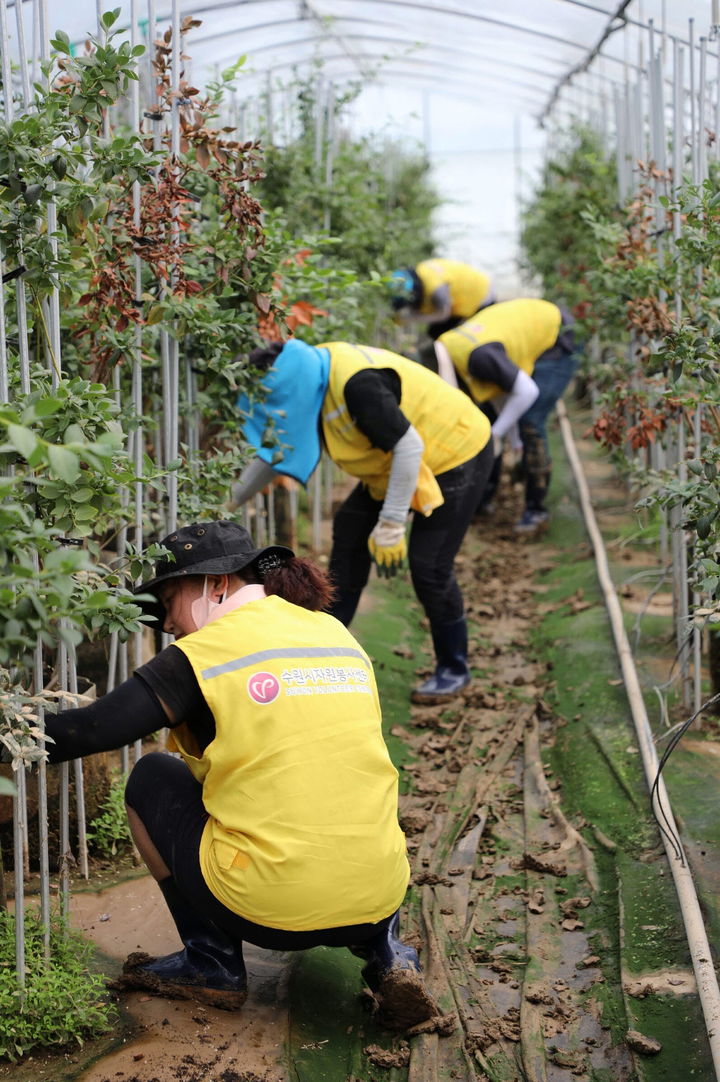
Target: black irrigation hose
x,y
656,795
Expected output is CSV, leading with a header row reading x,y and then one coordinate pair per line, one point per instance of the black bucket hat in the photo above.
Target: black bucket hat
x,y
210,548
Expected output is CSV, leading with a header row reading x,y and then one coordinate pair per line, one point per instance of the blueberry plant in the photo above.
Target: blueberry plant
x,y
65,416
136,243
62,444
217,272
371,212
645,279
663,293
557,248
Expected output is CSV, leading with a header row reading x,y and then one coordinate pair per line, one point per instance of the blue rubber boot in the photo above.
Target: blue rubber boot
x,y
451,672
209,968
392,972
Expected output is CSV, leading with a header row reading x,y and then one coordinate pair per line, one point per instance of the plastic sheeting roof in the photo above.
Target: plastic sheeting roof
x,y
468,79
517,51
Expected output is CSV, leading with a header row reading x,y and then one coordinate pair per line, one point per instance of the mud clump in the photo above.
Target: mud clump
x,y
402,1001
645,1046
385,1057
546,867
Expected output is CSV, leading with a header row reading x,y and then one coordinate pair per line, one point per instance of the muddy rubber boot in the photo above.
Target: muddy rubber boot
x,y
392,972
209,969
451,673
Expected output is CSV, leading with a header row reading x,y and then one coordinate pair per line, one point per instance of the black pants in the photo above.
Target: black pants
x,y
432,548
168,800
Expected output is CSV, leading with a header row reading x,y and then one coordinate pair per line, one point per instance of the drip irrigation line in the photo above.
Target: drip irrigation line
x,y
663,712
677,735
646,606
687,896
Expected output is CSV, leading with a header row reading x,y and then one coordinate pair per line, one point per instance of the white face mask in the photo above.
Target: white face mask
x,y
203,607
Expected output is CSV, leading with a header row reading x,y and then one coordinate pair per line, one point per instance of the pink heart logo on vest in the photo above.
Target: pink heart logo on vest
x,y
263,687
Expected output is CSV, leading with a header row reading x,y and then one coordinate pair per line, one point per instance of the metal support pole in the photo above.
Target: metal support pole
x,y
702,142
329,155
19,843
4,375
676,447
315,492
64,800
79,780
173,345
24,73
43,833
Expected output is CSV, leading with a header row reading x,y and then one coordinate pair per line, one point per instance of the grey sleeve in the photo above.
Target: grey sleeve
x,y
253,479
523,394
406,458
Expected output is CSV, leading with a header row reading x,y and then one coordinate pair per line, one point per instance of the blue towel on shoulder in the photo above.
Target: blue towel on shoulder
x,y
283,427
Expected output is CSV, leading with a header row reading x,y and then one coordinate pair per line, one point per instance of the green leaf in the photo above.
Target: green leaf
x,y
60,43
74,434
45,407
85,512
22,439
32,193
58,166
64,463
703,526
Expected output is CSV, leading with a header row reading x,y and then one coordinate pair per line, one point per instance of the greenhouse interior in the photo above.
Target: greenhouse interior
x,y
359,353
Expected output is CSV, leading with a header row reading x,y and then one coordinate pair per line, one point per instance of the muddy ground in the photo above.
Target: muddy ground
x,y
539,898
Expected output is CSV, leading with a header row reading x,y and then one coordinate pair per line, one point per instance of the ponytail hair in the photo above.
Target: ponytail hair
x,y
264,356
299,581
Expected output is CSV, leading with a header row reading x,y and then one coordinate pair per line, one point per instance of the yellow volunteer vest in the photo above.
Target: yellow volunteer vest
x,y
469,288
526,328
302,795
452,430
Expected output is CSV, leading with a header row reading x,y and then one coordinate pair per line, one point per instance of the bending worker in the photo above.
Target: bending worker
x,y
413,442
439,292
278,823
515,359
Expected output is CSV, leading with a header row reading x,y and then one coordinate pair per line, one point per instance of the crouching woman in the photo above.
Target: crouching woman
x,y
277,824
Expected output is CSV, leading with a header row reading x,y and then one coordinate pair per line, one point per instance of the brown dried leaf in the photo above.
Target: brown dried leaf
x,y
203,156
536,901
403,651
